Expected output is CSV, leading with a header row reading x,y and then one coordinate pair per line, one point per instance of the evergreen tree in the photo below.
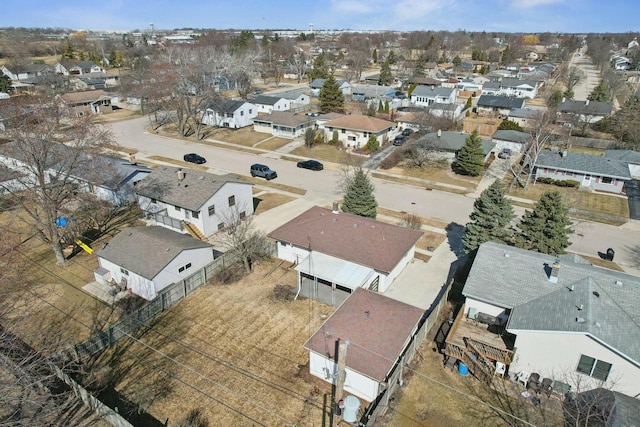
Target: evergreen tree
x,y
510,125
385,74
372,144
359,198
391,58
419,69
600,93
507,56
5,83
69,51
320,69
468,104
331,97
470,157
546,228
457,61
335,139
490,218
371,110
386,106
309,137
555,98
374,56
380,106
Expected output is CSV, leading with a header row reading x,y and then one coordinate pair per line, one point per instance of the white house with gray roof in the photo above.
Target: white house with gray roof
x,y
512,87
229,113
572,321
283,123
424,96
596,172
630,157
449,143
317,84
512,139
194,202
525,117
269,104
148,259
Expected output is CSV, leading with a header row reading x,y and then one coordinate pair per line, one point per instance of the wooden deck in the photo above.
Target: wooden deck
x,y
467,328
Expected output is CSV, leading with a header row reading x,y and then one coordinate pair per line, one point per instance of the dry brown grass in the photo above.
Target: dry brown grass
x,y
271,200
329,153
235,344
602,263
430,240
402,215
179,163
246,136
273,144
438,173
265,183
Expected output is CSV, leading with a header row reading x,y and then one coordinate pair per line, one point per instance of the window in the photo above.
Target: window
x,y
593,367
186,267
232,200
241,113
212,210
607,180
220,226
123,271
250,110
195,214
177,208
242,215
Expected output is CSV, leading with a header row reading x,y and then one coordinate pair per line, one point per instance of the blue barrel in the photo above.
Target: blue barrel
x,y
462,369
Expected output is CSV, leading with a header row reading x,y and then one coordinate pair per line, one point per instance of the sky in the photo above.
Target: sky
x,y
572,16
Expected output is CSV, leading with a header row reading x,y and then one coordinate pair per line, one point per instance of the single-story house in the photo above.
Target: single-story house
x,y
565,319
376,330
364,92
194,202
336,252
148,259
425,81
298,98
426,95
525,117
451,142
512,87
354,129
583,111
88,102
269,104
489,104
512,139
630,157
108,178
283,123
595,172
26,71
317,84
67,68
447,110
229,113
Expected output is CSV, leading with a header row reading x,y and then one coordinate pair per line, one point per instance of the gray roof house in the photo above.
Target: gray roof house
x,y
364,92
525,117
317,84
630,157
427,95
602,407
229,113
499,103
194,202
511,139
512,87
283,123
269,104
584,111
452,142
148,259
596,172
565,319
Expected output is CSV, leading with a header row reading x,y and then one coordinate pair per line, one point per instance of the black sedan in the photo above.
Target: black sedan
x,y
194,158
313,165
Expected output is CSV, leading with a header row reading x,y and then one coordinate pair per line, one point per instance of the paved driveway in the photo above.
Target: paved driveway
x,y
633,194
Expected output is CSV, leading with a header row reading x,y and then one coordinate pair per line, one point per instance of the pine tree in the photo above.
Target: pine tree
x,y
331,97
374,56
546,228
470,157
5,83
510,125
320,69
385,74
468,104
359,198
372,144
600,93
419,69
457,61
490,218
386,106
391,59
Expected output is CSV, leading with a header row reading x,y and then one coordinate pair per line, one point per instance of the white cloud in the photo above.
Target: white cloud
x,y
526,4
354,6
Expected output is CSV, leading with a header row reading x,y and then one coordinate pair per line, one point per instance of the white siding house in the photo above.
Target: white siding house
x,y
148,259
269,104
424,96
229,114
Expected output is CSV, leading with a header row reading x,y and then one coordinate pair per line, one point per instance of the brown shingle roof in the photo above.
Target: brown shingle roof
x,y
377,328
349,237
285,118
86,96
360,122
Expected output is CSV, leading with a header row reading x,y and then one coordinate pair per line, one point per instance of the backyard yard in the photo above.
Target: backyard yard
x,y
232,350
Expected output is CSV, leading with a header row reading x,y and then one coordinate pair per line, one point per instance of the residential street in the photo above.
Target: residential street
x,y
323,188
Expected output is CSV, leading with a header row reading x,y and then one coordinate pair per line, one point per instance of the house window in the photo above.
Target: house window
x,y
186,267
212,210
195,214
221,226
241,113
242,215
594,368
123,271
344,131
154,201
177,208
250,110
232,200
607,180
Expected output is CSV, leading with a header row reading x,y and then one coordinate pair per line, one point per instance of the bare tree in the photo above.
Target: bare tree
x,y
241,238
298,61
50,168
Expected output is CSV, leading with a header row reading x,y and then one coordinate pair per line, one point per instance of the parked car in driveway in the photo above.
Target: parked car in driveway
x,y
263,171
257,91
399,140
505,153
313,165
407,132
194,158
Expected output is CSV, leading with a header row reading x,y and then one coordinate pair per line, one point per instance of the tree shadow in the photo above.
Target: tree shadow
x,y
455,232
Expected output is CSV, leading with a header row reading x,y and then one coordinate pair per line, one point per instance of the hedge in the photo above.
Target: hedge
x,y
559,182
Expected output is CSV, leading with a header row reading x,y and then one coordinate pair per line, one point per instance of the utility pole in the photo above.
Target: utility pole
x,y
342,364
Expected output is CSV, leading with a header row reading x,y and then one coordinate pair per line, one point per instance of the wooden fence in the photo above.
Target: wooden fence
x,y
394,379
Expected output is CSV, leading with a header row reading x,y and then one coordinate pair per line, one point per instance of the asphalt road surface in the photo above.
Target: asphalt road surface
x,y
324,187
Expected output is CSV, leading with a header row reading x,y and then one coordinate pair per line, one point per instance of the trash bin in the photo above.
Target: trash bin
x,y
610,254
462,369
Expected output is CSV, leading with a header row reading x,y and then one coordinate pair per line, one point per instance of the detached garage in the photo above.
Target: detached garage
x,y
336,253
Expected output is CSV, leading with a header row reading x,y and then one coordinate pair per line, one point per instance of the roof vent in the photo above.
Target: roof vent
x,y
618,282
580,319
572,288
598,324
581,307
335,209
596,294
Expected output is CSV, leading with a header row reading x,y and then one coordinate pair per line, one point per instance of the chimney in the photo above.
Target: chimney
x,y
564,99
439,133
555,269
335,209
586,102
180,174
132,159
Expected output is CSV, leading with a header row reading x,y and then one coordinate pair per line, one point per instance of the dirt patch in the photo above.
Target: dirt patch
x,y
430,240
232,350
267,201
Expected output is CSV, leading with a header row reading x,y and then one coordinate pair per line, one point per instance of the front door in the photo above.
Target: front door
x,y
586,181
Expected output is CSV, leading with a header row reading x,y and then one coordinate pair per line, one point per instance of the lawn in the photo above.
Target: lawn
x,y
246,136
438,174
233,350
268,201
273,143
329,153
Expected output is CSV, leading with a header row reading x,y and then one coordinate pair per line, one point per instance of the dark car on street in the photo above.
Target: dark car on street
x,y
263,171
194,158
313,165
